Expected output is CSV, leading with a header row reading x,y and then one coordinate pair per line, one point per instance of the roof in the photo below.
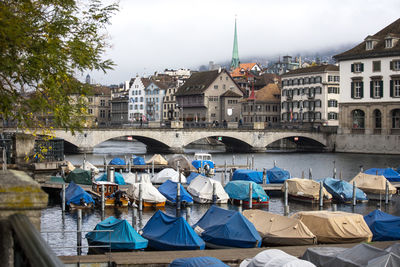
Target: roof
x,y
379,50
268,93
312,69
146,82
160,85
198,82
101,90
230,93
245,66
266,78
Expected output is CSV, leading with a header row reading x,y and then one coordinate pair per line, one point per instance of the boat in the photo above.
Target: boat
x,y
168,190
151,197
221,228
117,233
305,190
197,262
278,230
239,191
184,164
335,226
157,159
79,176
192,176
248,175
390,174
117,161
277,175
275,257
90,167
201,189
113,196
77,198
373,185
342,191
165,232
130,178
119,179
384,227
138,160
203,161
168,174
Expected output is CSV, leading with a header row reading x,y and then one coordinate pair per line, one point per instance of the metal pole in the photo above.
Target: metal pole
x,y
223,179
334,207
321,194
225,168
240,205
152,168
310,174
214,193
136,177
126,162
252,162
250,195
105,164
134,216
286,199
102,198
302,174
140,197
233,160
334,169
247,162
179,175
274,163
387,193
354,193
361,168
4,160
129,166
187,213
84,161
79,232
178,200
63,198
264,176
230,174
340,175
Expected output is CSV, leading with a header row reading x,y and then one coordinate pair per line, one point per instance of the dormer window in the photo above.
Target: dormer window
x,y
369,45
388,43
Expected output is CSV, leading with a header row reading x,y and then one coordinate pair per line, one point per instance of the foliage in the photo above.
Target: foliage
x,y
43,45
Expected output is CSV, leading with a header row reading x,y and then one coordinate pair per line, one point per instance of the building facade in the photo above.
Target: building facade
x,y
137,103
99,107
311,95
370,84
154,96
170,109
119,110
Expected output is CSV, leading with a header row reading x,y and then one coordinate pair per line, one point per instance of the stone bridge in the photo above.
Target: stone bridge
x,y
174,140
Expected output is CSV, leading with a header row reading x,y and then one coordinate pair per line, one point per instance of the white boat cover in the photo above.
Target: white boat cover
x,y
167,174
373,184
305,188
201,188
280,230
184,163
130,178
158,160
275,258
89,166
150,193
335,226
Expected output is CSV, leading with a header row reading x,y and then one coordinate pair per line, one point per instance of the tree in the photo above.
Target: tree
x,y
43,45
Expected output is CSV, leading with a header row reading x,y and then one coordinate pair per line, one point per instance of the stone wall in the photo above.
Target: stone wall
x,y
374,144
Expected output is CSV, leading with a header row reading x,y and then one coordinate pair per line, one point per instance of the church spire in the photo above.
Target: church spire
x,y
235,54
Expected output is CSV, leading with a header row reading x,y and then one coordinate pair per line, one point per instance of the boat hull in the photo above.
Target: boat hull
x,y
308,199
255,203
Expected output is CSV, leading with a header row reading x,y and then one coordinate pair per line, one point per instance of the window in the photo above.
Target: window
x,y
376,66
395,88
388,43
102,102
283,92
376,88
102,113
333,90
90,99
318,103
318,79
332,103
224,86
215,86
90,111
378,119
357,67
358,119
330,78
395,65
395,118
357,89
136,106
332,116
369,45
318,90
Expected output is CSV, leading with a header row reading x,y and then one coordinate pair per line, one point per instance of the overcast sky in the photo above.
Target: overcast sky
x,y
152,35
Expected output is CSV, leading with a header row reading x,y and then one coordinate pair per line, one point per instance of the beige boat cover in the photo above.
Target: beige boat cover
x,y
336,226
305,188
373,184
280,230
70,167
184,163
158,160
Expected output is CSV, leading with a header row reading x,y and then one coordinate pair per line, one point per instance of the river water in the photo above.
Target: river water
x,y
64,242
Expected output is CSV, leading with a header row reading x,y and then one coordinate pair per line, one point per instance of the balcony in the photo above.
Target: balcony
x,y
395,131
377,131
358,131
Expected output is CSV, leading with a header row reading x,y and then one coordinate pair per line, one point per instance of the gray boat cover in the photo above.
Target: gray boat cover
x,y
395,248
387,260
275,258
280,230
320,256
184,163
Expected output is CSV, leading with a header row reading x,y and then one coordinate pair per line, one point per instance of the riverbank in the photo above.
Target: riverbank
x,y
232,257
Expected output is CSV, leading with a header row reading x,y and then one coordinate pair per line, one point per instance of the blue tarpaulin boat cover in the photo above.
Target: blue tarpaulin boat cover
x,y
342,190
277,175
119,179
197,262
389,173
240,190
199,163
384,227
248,175
138,161
117,161
165,232
227,228
74,193
123,237
168,190
191,177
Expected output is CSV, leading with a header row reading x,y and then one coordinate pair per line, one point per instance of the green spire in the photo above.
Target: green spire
x,y
235,54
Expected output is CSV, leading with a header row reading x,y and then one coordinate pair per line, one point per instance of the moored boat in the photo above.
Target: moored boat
x,y
239,191
373,185
202,188
384,227
168,174
390,174
221,228
342,191
169,190
248,175
113,196
151,197
277,175
77,198
305,190
203,161
79,176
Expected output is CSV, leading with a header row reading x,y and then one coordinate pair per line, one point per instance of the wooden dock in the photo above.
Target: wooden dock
x,y
233,257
